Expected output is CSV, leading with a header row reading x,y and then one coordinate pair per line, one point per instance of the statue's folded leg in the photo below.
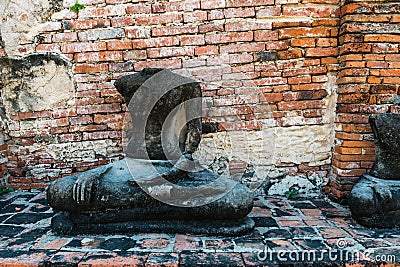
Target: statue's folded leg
x,y
376,202
84,208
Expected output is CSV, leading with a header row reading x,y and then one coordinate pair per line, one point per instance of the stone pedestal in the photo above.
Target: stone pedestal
x,y
375,200
159,187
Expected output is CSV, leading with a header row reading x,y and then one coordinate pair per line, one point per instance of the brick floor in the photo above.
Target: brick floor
x,y
288,232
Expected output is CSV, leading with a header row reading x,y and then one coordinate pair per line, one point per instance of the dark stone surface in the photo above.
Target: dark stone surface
x,y
303,205
6,202
14,208
10,230
210,259
17,242
27,196
375,200
118,244
60,260
41,201
279,212
33,234
4,217
311,244
264,222
128,85
75,243
15,254
278,233
119,197
303,231
209,127
322,204
26,218
39,208
63,224
163,259
195,259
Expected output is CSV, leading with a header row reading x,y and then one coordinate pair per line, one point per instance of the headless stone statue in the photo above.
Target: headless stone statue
x,y
159,187
182,141
375,200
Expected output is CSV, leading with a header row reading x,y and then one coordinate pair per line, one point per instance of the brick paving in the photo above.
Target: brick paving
x,y
298,232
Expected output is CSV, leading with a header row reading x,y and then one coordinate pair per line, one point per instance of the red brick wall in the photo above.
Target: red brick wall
x,y
368,80
273,60
286,49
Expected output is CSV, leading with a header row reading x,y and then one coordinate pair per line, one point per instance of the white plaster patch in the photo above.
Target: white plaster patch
x,y
37,86
267,149
21,21
74,151
41,173
303,185
309,144
252,147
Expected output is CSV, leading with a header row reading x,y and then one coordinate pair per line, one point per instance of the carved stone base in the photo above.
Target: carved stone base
x,y
376,202
63,223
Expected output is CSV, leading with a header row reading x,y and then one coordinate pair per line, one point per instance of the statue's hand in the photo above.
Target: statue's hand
x,y
85,187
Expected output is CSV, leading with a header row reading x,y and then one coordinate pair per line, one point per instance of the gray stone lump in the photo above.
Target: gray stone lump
x,y
375,200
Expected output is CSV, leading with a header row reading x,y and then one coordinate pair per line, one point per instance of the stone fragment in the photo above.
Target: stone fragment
x,y
375,200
